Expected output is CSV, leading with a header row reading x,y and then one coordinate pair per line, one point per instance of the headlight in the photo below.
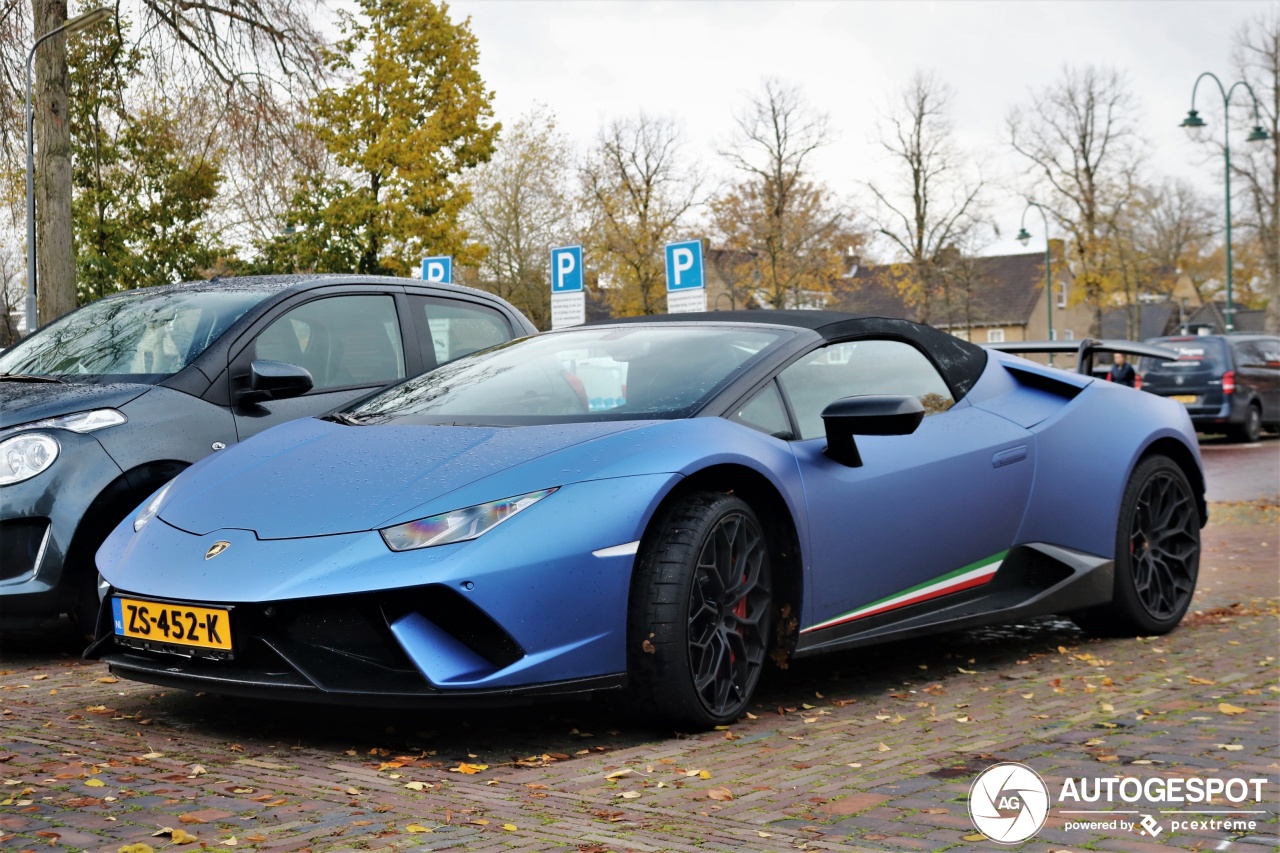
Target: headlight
x,y
81,421
152,507
458,525
24,456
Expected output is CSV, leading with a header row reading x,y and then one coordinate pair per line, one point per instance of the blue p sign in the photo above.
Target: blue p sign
x,y
438,269
566,269
684,265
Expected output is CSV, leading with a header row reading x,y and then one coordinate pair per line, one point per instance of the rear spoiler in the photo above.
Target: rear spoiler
x,y
1085,349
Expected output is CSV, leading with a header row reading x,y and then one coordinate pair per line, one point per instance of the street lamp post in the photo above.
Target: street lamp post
x,y
1195,129
1024,237
74,25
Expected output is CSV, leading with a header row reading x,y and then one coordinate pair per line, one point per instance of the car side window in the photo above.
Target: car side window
x,y
460,328
857,368
343,341
765,412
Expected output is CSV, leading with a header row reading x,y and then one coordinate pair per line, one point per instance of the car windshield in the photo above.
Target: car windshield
x,y
612,373
142,336
1194,354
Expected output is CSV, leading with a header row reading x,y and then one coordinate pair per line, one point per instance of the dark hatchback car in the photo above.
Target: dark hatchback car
x,y
102,407
1229,383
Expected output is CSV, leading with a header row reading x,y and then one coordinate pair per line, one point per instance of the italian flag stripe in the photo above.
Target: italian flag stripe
x,y
965,577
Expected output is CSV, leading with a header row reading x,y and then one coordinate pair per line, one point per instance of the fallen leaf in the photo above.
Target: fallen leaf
x,y
720,794
618,774
510,827
256,838
417,827
1231,710
197,770
469,769
704,774
229,842
136,848
108,679
181,836
978,836
883,748
418,786
186,818
95,783
629,795
1229,747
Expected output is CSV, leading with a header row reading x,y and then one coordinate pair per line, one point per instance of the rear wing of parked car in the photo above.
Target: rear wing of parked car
x,y
1085,350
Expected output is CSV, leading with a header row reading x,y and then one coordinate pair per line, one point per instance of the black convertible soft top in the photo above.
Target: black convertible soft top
x,y
959,362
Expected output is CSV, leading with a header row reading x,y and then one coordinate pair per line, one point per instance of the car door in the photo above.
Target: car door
x,y
350,343
449,328
926,514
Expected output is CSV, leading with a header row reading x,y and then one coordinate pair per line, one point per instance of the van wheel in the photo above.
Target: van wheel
x,y
1251,429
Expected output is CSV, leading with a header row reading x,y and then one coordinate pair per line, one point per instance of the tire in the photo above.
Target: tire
x,y
84,611
1157,555
700,614
1251,430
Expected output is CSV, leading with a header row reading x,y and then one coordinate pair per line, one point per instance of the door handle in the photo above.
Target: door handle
x,y
1010,456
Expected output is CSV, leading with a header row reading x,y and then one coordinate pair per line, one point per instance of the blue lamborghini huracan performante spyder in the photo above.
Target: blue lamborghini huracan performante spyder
x,y
660,507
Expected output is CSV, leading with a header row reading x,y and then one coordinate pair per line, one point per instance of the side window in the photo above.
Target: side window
x,y
856,368
343,341
461,328
765,412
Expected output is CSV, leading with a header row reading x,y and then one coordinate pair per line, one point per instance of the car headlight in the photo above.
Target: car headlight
x,y
82,422
458,525
24,456
150,510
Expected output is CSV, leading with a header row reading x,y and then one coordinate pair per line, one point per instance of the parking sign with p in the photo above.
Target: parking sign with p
x,y
438,270
566,269
686,286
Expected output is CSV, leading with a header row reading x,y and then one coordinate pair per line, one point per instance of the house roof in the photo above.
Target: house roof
x,y
1001,290
1154,319
1214,314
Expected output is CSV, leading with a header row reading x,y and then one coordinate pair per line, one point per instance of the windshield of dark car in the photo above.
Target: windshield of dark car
x,y
143,336
611,373
1194,354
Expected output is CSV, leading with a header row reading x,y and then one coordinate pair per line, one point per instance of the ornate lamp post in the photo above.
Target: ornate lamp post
x,y
75,25
1195,129
1024,237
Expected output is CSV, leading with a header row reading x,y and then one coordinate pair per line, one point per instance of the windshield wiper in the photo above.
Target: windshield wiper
x,y
29,377
343,418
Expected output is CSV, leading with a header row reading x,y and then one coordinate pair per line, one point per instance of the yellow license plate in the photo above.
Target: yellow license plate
x,y
172,624
1183,398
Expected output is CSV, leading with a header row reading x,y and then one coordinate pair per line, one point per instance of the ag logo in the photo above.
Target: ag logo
x,y
216,548
1008,803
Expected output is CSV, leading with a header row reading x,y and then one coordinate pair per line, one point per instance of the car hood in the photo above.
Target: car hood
x,y
314,478
23,402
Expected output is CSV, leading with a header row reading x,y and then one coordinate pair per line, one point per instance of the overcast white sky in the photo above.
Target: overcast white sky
x,y
591,61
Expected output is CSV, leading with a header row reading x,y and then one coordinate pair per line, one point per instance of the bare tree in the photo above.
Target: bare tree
x,y
933,207
1080,139
638,192
12,290
520,211
1257,58
786,230
246,48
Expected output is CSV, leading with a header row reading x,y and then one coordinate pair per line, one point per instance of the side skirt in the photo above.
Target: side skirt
x,y
1033,580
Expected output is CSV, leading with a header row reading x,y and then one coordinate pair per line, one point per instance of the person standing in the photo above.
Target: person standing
x,y
1121,371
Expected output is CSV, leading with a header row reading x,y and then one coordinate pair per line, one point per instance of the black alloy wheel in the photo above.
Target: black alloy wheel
x,y
700,613
1157,554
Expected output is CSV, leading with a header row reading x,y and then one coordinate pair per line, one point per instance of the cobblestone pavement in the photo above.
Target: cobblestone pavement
x,y
873,750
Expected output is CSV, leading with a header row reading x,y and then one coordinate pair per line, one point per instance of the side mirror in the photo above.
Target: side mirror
x,y
275,380
870,415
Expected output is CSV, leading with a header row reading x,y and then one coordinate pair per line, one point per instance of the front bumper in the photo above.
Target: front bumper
x,y
536,607
38,521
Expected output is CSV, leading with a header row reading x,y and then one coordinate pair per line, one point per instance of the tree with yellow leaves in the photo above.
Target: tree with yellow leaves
x,y
412,115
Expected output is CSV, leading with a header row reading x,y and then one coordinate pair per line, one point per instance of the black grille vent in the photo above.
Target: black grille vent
x,y
20,540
